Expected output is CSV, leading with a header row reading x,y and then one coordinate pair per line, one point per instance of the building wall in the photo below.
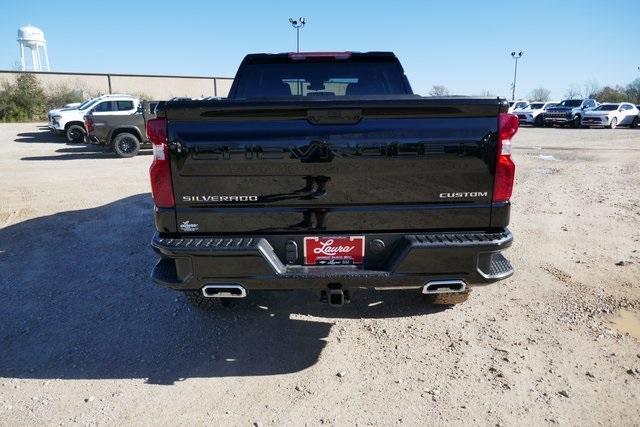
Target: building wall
x,y
153,86
223,85
163,87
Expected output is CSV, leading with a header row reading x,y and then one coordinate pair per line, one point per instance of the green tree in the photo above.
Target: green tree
x,y
23,100
61,94
612,94
633,91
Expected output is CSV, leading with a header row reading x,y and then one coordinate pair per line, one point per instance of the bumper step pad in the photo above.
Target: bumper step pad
x,y
497,268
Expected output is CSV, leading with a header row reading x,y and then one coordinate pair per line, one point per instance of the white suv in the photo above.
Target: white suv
x,y
532,115
70,121
517,105
612,115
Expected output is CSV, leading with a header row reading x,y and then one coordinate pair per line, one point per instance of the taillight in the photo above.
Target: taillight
x,y
88,124
505,168
160,171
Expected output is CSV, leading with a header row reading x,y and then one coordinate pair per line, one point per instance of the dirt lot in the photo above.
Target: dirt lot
x,y
85,338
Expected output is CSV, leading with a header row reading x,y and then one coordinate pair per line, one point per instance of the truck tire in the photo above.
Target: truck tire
x,y
538,122
614,123
634,123
75,133
448,299
126,144
576,122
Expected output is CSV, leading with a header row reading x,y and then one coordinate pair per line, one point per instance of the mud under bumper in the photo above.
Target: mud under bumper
x,y
260,262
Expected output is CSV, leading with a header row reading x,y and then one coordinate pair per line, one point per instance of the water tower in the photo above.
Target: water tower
x,y
32,38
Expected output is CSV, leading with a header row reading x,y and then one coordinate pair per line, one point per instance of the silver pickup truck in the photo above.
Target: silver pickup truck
x,y
124,134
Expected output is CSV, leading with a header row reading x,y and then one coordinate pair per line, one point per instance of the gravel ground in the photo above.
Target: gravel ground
x,y
85,338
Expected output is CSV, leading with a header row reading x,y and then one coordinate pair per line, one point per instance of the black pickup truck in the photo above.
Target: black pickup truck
x,y
324,171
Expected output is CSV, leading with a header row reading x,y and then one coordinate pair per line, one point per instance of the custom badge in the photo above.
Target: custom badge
x,y
187,226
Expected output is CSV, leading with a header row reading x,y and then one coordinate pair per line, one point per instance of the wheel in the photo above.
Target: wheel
x,y
575,123
448,299
635,122
126,144
198,300
75,133
614,123
538,122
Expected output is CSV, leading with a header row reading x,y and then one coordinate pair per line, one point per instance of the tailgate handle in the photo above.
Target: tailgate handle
x,y
325,117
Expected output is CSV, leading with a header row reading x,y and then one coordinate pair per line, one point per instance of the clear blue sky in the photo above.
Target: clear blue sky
x,y
463,45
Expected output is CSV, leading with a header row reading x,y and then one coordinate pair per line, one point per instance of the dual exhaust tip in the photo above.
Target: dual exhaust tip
x,y
234,290
225,290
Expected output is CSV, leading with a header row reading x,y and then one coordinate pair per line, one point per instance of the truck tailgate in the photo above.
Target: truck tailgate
x,y
333,166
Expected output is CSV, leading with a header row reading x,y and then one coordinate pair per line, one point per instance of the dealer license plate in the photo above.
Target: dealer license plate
x,y
335,250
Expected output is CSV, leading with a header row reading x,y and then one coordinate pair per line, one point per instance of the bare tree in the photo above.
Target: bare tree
x,y
591,87
540,94
439,90
572,92
486,93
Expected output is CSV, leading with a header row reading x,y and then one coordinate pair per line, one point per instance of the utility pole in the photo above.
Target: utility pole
x,y
515,56
297,24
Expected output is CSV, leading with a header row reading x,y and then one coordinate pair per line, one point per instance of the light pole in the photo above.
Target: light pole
x,y
515,56
297,24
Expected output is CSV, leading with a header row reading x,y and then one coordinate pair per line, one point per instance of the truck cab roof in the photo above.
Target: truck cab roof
x,y
319,74
286,57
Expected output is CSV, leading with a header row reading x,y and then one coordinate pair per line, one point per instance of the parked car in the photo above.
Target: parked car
x,y
612,115
70,121
533,114
568,112
56,111
324,171
125,134
517,105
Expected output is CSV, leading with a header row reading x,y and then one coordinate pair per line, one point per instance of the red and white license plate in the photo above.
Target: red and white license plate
x,y
340,250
